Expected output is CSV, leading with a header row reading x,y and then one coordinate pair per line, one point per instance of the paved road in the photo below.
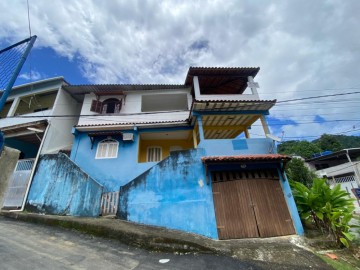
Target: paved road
x,y
29,246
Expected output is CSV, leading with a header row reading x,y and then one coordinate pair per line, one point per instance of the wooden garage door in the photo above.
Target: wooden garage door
x,y
250,204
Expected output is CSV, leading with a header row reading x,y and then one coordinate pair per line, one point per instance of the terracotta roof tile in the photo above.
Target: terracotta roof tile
x,y
258,157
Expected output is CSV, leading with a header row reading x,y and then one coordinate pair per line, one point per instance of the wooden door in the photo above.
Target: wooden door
x,y
235,216
250,204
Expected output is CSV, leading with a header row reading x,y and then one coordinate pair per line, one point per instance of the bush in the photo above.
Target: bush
x,y
330,210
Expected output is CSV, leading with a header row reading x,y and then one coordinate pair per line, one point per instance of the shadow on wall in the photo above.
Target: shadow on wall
x,y
60,187
172,194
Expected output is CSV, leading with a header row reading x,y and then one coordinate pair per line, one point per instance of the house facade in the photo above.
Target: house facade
x,y
341,167
181,156
31,123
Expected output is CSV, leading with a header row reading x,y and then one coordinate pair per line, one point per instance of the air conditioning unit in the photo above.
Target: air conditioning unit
x,y
128,137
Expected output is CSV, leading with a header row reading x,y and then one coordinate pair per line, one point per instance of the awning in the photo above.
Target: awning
x,y
233,105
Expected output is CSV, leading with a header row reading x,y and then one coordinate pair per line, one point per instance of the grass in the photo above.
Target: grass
x,y
348,259
338,264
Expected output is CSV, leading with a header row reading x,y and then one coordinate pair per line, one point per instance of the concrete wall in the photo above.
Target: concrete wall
x,y
59,187
111,173
173,194
59,134
131,108
237,147
8,160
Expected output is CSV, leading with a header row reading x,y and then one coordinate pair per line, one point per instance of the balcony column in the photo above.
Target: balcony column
x,y
264,124
196,87
13,107
201,130
247,134
357,176
253,86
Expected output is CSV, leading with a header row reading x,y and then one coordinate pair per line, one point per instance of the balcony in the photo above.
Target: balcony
x,y
30,117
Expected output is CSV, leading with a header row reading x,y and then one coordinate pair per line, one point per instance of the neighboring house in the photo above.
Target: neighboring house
x,y
181,156
30,124
342,167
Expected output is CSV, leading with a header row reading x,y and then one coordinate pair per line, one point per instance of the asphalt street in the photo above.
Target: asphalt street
x,y
32,246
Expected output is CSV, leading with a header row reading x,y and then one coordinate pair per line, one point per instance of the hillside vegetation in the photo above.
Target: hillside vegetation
x,y
326,142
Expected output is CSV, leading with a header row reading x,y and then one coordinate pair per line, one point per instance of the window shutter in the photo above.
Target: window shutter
x,y
104,108
154,154
96,106
118,106
107,149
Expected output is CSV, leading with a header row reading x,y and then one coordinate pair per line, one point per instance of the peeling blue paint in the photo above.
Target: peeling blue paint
x,y
172,194
60,187
111,173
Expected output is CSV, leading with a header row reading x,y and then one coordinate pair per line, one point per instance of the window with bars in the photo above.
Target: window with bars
x,y
107,149
154,154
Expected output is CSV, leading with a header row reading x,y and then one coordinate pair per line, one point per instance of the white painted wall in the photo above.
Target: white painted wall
x,y
337,170
59,135
131,109
37,116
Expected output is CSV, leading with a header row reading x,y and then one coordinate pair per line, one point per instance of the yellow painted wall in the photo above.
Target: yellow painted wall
x,y
164,144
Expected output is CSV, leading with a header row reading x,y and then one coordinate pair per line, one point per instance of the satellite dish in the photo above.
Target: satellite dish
x,y
273,137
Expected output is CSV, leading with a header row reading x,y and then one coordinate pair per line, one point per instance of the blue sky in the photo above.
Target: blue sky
x,y
304,48
45,63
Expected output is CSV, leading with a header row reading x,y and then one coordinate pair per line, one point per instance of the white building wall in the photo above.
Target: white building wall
x,y
131,109
59,135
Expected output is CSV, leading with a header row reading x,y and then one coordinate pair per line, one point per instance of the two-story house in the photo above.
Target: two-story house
x,y
181,156
341,167
32,123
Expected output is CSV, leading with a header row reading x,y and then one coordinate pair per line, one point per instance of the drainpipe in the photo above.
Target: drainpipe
x,y
352,164
33,171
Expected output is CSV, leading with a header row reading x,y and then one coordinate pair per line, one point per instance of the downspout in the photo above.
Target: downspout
x,y
352,164
33,171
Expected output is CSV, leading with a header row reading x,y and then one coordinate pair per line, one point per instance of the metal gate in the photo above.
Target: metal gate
x,y
18,184
109,203
250,204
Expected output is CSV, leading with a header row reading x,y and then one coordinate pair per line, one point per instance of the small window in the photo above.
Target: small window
x,y
154,154
111,105
107,149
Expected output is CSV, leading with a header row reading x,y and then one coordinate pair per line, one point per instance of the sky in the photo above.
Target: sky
x,y
303,48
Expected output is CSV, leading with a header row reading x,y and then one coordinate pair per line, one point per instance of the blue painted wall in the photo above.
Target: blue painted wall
x,y
237,147
172,194
111,173
291,204
60,187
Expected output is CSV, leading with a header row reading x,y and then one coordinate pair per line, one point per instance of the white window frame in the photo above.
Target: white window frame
x,y
111,148
148,156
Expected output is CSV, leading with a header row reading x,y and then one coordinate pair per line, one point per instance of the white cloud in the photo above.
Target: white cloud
x,y
300,46
32,76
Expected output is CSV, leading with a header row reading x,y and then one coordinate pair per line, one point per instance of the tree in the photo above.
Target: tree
x,y
328,143
304,149
296,170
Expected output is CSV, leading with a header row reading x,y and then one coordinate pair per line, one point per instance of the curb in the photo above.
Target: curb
x,y
146,237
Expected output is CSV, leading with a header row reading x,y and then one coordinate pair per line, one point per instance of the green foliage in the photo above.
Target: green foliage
x,y
330,210
304,149
298,172
326,142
